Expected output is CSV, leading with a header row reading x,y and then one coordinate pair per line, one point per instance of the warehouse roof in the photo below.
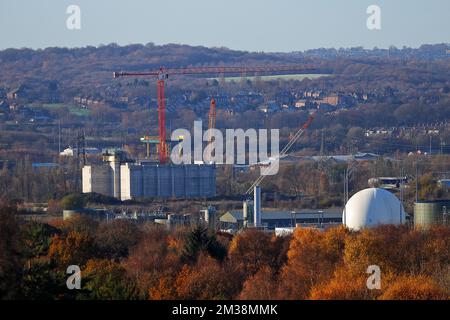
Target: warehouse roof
x,y
236,215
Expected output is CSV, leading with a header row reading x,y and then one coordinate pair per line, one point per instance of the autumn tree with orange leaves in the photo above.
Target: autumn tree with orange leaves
x,y
251,250
260,286
312,258
73,248
155,260
414,288
123,260
208,279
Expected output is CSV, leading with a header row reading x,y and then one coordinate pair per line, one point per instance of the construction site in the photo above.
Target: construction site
x,y
126,179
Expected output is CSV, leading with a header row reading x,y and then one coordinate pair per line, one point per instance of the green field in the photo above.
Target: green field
x,y
275,77
72,108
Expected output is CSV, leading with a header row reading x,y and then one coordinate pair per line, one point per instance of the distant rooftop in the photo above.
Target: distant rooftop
x,y
283,215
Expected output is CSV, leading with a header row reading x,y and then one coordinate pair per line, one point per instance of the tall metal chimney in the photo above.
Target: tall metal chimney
x,y
257,206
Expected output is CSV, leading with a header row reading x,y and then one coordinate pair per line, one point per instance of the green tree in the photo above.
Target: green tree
x,y
36,238
40,281
73,201
106,280
198,240
10,260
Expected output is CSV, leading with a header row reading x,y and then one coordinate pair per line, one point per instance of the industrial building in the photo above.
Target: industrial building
x,y
71,152
108,214
207,218
272,219
175,220
388,183
123,179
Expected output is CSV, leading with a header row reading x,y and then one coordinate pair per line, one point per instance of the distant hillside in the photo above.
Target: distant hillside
x,y
94,65
56,75
84,67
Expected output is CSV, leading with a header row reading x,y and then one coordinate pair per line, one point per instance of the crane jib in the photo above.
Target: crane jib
x,y
163,73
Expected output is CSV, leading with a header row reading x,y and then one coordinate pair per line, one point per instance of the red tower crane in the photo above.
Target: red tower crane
x,y
163,73
211,122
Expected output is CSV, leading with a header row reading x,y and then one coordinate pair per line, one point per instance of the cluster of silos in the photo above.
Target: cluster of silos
x,y
166,181
430,213
118,177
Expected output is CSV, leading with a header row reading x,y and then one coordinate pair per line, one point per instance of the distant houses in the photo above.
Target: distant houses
x,y
269,107
16,93
87,101
301,103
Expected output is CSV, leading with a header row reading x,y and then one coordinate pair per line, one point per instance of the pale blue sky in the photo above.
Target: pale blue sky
x,y
255,25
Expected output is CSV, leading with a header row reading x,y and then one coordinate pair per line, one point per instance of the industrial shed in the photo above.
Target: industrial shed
x,y
272,219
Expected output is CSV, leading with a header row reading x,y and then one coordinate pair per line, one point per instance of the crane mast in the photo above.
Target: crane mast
x,y
212,118
163,154
211,124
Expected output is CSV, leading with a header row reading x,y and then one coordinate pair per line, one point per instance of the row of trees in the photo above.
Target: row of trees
x,y
20,181
121,260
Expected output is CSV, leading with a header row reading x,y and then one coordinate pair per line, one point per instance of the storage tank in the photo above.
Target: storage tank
x,y
68,214
257,206
247,212
429,213
88,212
209,217
372,207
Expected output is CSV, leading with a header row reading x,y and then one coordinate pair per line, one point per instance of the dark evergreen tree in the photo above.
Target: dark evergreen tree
x,y
199,239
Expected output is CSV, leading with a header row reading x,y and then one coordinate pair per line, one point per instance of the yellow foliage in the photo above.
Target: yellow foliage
x,y
414,288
